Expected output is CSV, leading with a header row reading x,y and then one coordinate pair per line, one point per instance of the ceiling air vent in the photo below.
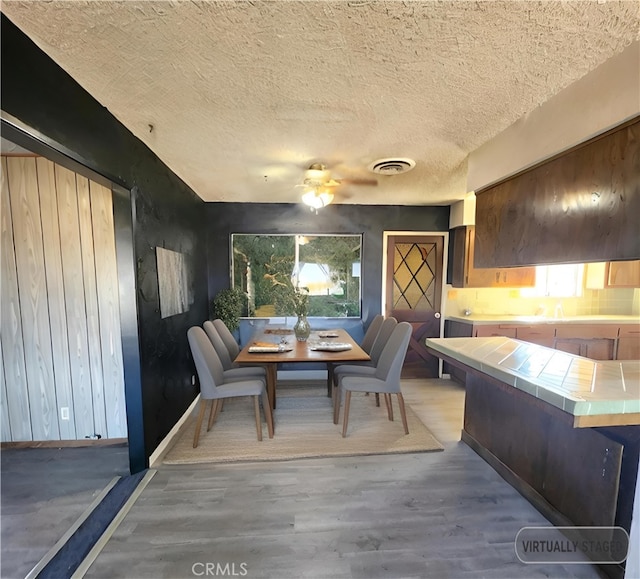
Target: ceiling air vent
x,y
392,166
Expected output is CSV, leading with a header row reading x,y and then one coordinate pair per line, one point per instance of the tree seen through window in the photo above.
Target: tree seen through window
x,y
266,267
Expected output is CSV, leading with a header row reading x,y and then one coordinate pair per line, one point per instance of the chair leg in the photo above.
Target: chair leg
x,y
347,401
213,413
377,399
256,406
337,394
403,413
387,401
267,413
196,436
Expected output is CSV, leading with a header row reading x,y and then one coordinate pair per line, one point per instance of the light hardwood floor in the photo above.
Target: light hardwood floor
x,y
443,515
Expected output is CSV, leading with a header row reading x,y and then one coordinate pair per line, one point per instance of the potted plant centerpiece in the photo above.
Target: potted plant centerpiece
x,y
291,299
300,300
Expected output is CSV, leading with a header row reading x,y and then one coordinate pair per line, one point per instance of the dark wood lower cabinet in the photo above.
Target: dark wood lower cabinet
x,y
628,342
543,335
628,349
596,349
454,329
574,476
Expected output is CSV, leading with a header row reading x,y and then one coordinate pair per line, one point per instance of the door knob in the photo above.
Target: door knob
x,y
437,315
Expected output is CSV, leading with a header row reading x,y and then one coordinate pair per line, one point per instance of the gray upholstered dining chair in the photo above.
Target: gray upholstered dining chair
x,y
381,338
367,343
232,371
214,387
385,377
228,339
368,367
371,334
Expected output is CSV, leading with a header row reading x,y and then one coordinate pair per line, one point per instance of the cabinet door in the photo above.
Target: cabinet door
x,y
459,257
628,349
601,349
464,274
612,274
569,345
495,277
598,349
455,329
587,331
623,274
628,342
539,334
485,331
519,276
595,274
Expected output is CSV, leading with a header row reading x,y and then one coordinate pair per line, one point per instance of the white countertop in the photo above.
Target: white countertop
x,y
579,386
487,319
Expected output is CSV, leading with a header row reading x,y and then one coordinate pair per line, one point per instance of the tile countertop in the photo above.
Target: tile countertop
x,y
479,319
579,386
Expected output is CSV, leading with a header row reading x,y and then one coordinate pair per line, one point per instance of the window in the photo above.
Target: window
x,y
327,265
557,281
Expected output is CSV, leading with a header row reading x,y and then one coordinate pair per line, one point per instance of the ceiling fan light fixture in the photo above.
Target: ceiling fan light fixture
x,y
317,199
317,174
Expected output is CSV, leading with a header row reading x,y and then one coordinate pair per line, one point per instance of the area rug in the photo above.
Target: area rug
x,y
303,429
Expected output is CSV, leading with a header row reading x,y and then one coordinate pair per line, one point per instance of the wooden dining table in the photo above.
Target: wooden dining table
x,y
295,351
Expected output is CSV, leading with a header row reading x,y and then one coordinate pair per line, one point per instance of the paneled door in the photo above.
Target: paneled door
x,y
413,294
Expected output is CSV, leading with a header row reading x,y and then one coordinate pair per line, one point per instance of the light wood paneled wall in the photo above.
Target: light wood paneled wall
x,y
108,309
13,366
55,291
60,340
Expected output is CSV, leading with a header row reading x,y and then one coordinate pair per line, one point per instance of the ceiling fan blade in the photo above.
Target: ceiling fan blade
x,y
355,181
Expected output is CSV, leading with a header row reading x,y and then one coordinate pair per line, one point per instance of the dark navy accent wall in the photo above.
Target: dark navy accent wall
x,y
223,219
162,209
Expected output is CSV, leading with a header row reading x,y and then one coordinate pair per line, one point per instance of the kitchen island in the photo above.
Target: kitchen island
x,y
519,319
562,429
599,337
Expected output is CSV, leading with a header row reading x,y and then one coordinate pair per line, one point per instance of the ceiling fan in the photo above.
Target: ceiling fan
x,y
319,186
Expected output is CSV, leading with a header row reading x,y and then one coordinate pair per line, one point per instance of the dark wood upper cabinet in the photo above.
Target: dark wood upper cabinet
x,y
579,207
465,274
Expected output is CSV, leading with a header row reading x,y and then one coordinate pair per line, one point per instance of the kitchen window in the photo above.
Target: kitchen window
x,y
327,265
557,281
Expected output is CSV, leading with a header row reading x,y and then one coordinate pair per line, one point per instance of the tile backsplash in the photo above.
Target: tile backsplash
x,y
504,301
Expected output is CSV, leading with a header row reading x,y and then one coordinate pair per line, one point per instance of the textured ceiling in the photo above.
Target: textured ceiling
x,y
238,98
